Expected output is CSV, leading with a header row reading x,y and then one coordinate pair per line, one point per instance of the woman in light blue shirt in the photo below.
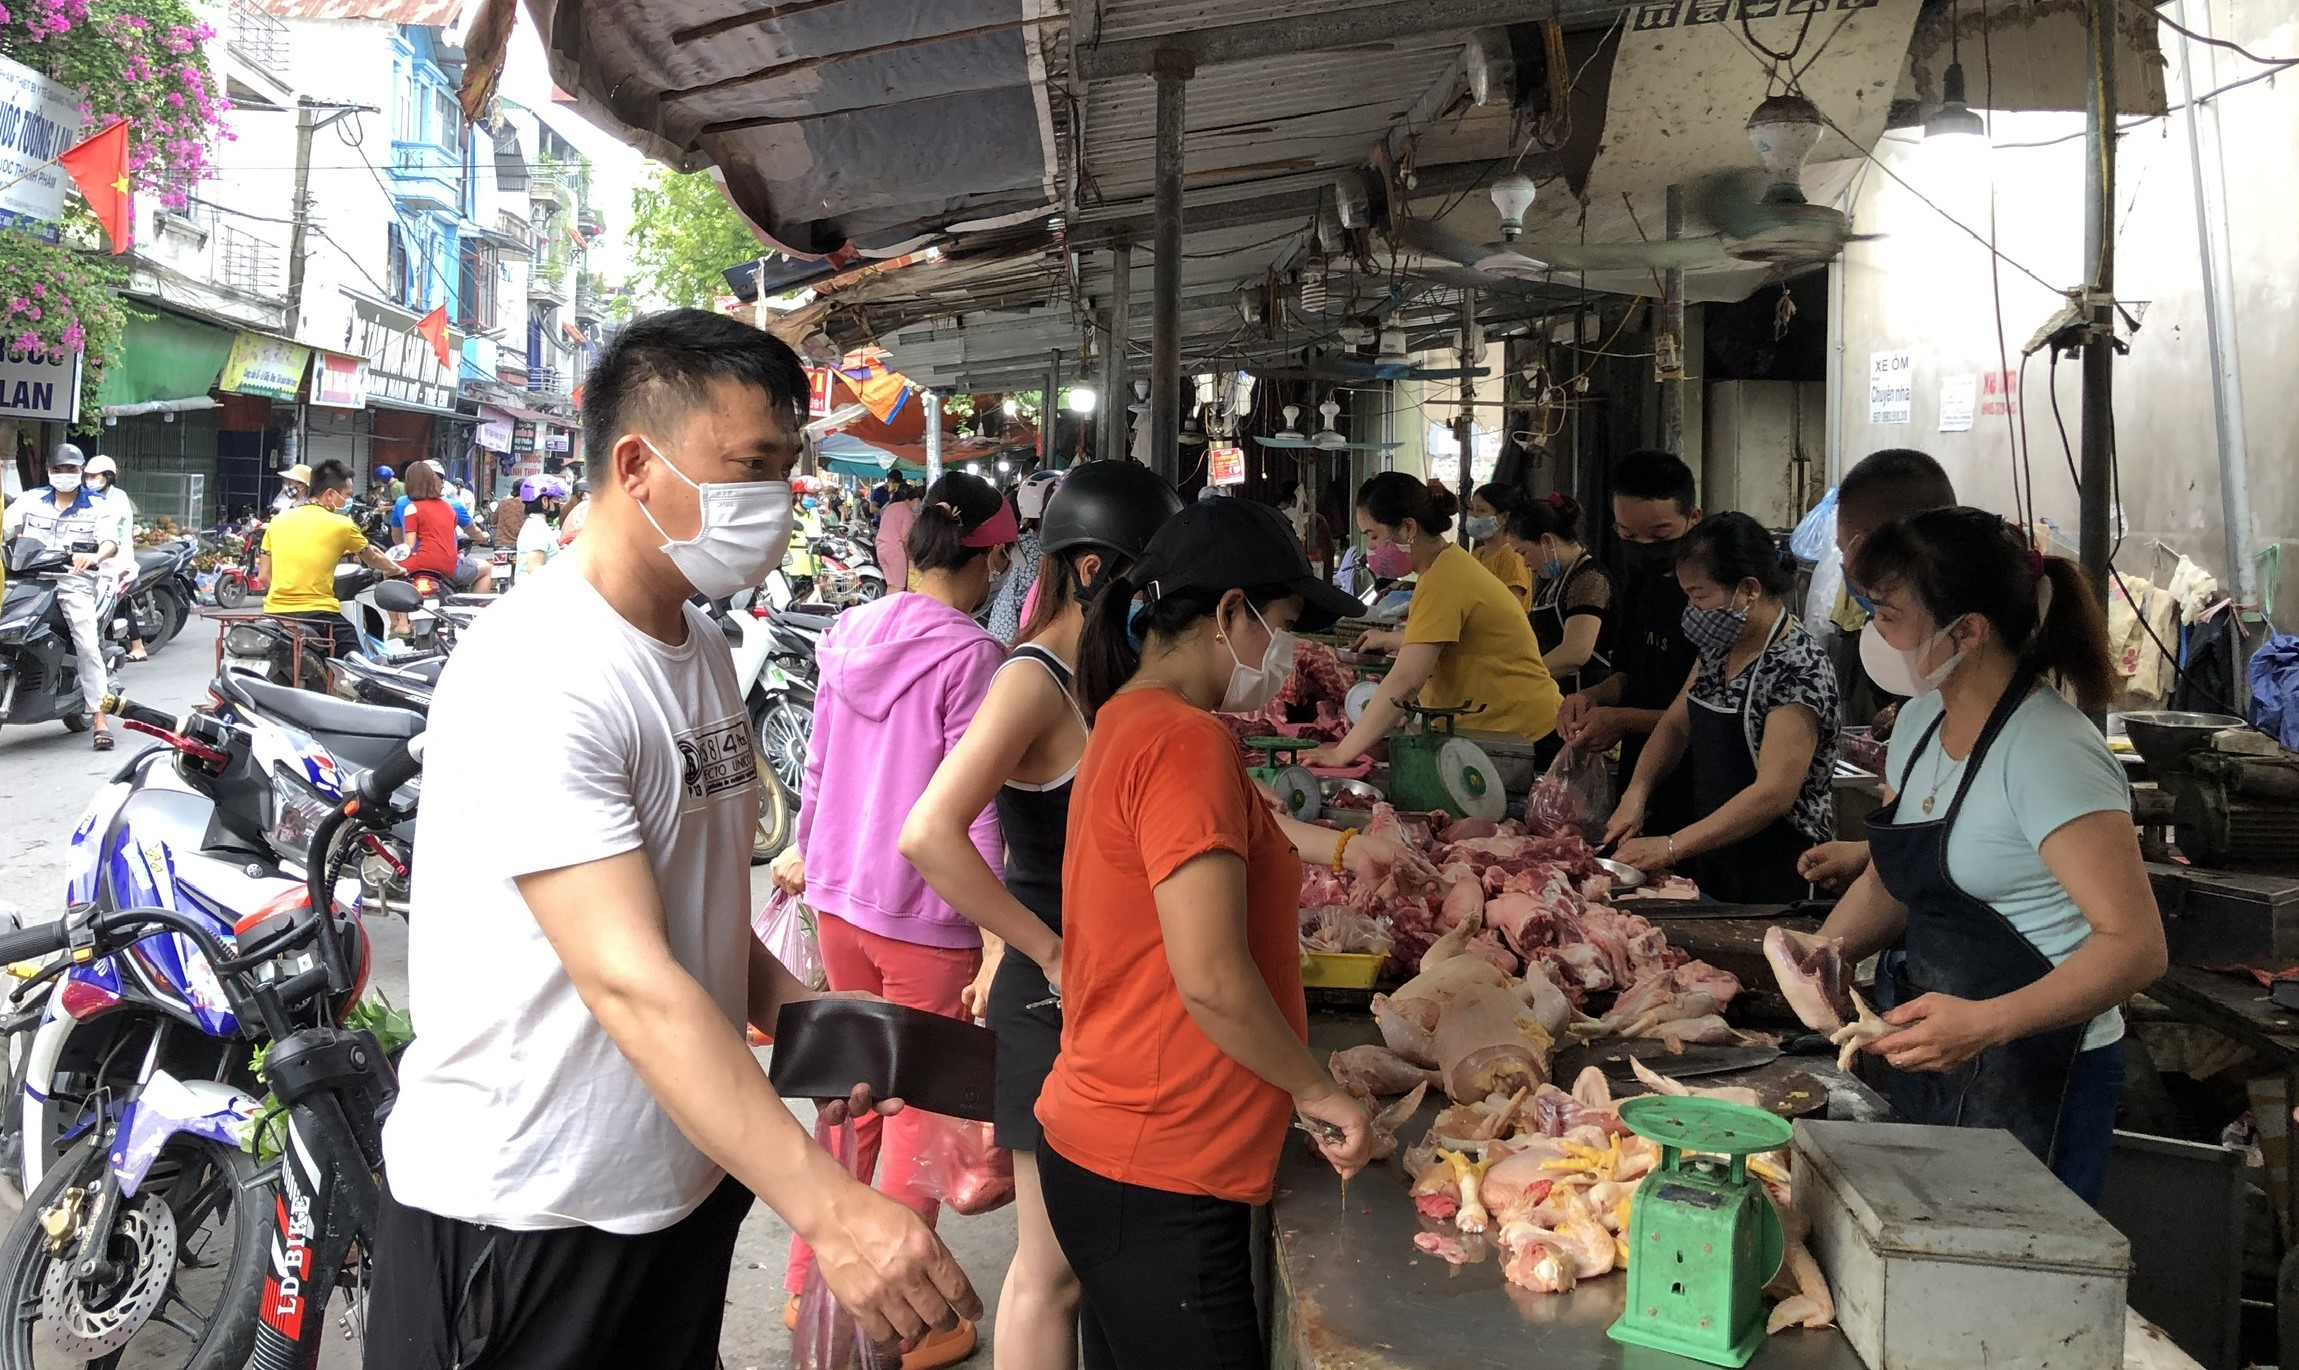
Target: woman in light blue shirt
x,y
2006,856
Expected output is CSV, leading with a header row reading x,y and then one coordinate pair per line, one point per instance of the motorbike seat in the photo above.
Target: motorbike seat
x,y
318,713
148,562
804,624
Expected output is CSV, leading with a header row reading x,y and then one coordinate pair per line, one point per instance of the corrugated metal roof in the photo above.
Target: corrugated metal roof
x,y
422,13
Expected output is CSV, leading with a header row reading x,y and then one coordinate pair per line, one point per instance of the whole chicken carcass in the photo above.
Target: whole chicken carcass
x,y
1488,1042
1812,977
1370,1071
1406,1028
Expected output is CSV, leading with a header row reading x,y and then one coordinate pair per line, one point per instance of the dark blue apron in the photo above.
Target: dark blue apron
x,y
1960,946
1759,869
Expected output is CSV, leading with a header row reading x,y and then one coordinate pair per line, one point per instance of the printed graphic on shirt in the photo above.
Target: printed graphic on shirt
x,y
716,758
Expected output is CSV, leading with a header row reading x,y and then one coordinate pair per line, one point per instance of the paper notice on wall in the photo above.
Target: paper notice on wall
x,y
1959,396
1891,387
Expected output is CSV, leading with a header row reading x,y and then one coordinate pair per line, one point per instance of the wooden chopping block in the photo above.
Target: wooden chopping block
x,y
1481,1049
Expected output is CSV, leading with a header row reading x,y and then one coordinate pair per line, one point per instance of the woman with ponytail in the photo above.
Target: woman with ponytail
x,y
1020,755
1184,1053
1573,594
901,680
2005,857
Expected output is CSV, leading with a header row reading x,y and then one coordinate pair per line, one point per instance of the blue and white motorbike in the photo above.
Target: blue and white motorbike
x,y
137,1090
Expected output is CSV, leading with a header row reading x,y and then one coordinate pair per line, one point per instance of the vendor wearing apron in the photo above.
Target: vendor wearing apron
x,y
1756,722
2006,856
1572,595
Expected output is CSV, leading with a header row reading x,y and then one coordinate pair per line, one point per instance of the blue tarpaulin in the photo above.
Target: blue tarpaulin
x,y
2275,689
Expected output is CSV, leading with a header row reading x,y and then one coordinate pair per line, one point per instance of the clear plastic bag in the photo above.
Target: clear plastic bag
x,y
957,1163
786,925
827,1337
1575,796
1816,531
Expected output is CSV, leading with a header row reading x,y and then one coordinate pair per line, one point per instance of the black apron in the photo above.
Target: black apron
x,y
1960,946
1650,648
1549,621
1760,869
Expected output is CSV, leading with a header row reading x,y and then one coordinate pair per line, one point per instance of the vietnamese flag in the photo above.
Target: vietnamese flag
x,y
99,166
434,327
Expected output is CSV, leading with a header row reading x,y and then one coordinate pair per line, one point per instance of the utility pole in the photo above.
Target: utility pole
x,y
1668,346
299,213
1173,70
2099,292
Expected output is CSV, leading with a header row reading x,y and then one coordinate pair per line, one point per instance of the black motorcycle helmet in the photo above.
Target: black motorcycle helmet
x,y
1119,505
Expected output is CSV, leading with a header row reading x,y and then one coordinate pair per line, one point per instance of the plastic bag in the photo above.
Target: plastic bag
x,y
956,1162
1826,588
1575,796
1816,533
1337,927
786,925
827,1337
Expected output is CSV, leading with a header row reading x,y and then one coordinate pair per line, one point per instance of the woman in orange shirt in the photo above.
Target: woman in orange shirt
x,y
1184,1052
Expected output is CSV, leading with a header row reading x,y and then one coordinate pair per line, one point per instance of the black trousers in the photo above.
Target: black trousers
x,y
1167,1278
452,1295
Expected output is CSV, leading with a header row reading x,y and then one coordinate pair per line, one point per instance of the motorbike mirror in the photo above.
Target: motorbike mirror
x,y
397,597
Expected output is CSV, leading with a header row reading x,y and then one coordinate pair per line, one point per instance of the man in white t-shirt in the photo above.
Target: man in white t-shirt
x,y
580,1126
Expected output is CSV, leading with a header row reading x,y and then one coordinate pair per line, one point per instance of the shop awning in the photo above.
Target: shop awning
x,y
850,456
164,357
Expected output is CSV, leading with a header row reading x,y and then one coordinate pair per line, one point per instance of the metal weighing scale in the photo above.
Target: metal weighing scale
x,y
1281,770
1704,1238
1430,768
1360,696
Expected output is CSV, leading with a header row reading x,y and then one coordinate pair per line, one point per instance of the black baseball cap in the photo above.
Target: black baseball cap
x,y
1233,544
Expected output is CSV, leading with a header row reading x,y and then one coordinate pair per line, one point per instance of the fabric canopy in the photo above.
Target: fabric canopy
x,y
164,357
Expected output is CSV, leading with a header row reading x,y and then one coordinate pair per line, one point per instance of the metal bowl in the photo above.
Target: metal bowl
x,y
1334,786
1624,875
2164,737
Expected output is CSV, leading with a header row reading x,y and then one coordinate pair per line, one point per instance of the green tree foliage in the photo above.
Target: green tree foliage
x,y
683,234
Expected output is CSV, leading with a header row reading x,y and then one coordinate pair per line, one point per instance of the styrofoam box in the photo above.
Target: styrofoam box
x,y
1952,1248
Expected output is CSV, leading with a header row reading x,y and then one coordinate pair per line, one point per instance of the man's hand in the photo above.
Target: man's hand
x,y
1833,866
1596,729
1938,1032
1573,713
789,872
84,561
880,1259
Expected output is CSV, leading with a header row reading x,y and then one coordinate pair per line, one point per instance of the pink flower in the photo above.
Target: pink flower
x,y
75,338
19,305
26,342
39,290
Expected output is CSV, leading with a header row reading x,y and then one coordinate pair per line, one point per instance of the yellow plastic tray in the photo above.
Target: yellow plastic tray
x,y
1340,969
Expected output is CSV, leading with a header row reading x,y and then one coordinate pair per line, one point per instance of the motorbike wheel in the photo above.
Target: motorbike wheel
x,y
175,613
77,721
198,1313
783,730
868,588
231,592
774,817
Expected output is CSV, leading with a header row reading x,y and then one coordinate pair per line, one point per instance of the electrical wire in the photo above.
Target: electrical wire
x,y
1928,203
2192,36
2146,119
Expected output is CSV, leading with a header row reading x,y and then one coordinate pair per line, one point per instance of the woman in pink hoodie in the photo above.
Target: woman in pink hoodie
x,y
901,679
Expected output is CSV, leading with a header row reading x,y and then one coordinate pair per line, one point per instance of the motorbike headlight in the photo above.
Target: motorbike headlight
x,y
245,639
296,809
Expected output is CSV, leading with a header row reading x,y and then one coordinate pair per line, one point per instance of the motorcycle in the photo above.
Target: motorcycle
x,y
237,581
774,663
383,671
163,1201
159,600
844,574
39,671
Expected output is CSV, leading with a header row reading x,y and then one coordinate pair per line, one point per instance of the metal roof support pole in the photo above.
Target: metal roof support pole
x,y
1672,328
1465,426
1050,412
933,399
1173,70
2099,262
1115,393
2205,159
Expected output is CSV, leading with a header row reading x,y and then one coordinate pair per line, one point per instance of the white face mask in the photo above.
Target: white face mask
x,y
63,480
1899,672
1250,687
745,531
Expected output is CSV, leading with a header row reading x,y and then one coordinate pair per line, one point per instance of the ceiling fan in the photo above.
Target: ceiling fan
x,y
1326,439
1390,363
1761,217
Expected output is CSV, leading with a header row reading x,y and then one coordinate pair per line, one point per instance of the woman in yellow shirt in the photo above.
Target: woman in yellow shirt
x,y
1492,510
1466,642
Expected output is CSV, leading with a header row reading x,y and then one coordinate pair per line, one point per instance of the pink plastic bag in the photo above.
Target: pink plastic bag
x,y
957,1163
786,925
828,1337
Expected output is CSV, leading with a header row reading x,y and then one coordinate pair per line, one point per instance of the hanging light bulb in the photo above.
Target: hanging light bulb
x,y
1954,118
1313,283
1081,399
1513,196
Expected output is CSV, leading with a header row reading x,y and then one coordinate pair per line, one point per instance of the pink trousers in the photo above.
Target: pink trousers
x,y
905,973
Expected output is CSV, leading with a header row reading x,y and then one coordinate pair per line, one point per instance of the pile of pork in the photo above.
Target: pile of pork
x,y
1516,1168
1523,906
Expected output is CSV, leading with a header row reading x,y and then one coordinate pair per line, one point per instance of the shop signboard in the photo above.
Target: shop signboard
x,y
339,382
493,431
1226,465
522,437
39,385
818,380
401,367
556,440
39,121
263,365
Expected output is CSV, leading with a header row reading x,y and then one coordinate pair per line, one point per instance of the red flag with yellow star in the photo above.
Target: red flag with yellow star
x,y
99,166
433,326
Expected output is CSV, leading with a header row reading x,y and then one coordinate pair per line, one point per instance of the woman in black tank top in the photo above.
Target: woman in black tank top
x,y
1021,753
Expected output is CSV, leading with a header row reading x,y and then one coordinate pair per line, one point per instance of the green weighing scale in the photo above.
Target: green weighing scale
x,y
1360,696
1430,768
1281,770
1704,1238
